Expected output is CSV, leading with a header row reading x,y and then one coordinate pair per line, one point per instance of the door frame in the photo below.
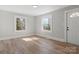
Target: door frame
x,y
66,24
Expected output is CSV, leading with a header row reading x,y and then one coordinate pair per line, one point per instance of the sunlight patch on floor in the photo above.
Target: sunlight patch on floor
x,y
30,39
35,38
27,39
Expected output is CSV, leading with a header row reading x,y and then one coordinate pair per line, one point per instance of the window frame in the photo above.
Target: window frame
x,y
49,22
15,23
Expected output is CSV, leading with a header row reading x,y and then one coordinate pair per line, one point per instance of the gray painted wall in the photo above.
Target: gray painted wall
x,y
58,24
7,28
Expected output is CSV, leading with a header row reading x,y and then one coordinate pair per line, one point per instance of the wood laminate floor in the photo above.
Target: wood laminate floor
x,y
35,45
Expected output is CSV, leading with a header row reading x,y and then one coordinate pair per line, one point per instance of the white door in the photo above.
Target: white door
x,y
73,26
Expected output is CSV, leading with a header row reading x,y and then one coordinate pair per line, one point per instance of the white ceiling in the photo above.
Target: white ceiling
x,y
29,10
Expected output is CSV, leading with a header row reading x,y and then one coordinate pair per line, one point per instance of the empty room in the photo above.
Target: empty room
x,y
39,29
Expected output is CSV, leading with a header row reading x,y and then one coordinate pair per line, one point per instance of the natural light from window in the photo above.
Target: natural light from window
x,y
76,14
45,24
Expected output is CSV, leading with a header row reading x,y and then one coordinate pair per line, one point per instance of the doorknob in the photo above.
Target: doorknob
x,y
67,28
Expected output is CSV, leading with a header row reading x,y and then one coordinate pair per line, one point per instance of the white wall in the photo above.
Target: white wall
x,y
58,24
7,28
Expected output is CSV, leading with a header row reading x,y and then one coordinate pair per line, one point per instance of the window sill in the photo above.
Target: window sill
x,y
46,31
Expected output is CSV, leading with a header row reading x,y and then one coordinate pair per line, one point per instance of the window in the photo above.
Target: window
x,y
20,23
75,14
45,24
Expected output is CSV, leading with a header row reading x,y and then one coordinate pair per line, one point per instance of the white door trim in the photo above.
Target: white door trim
x,y
65,28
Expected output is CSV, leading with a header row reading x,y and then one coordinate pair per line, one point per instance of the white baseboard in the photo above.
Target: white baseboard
x,y
48,37
12,37
53,38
